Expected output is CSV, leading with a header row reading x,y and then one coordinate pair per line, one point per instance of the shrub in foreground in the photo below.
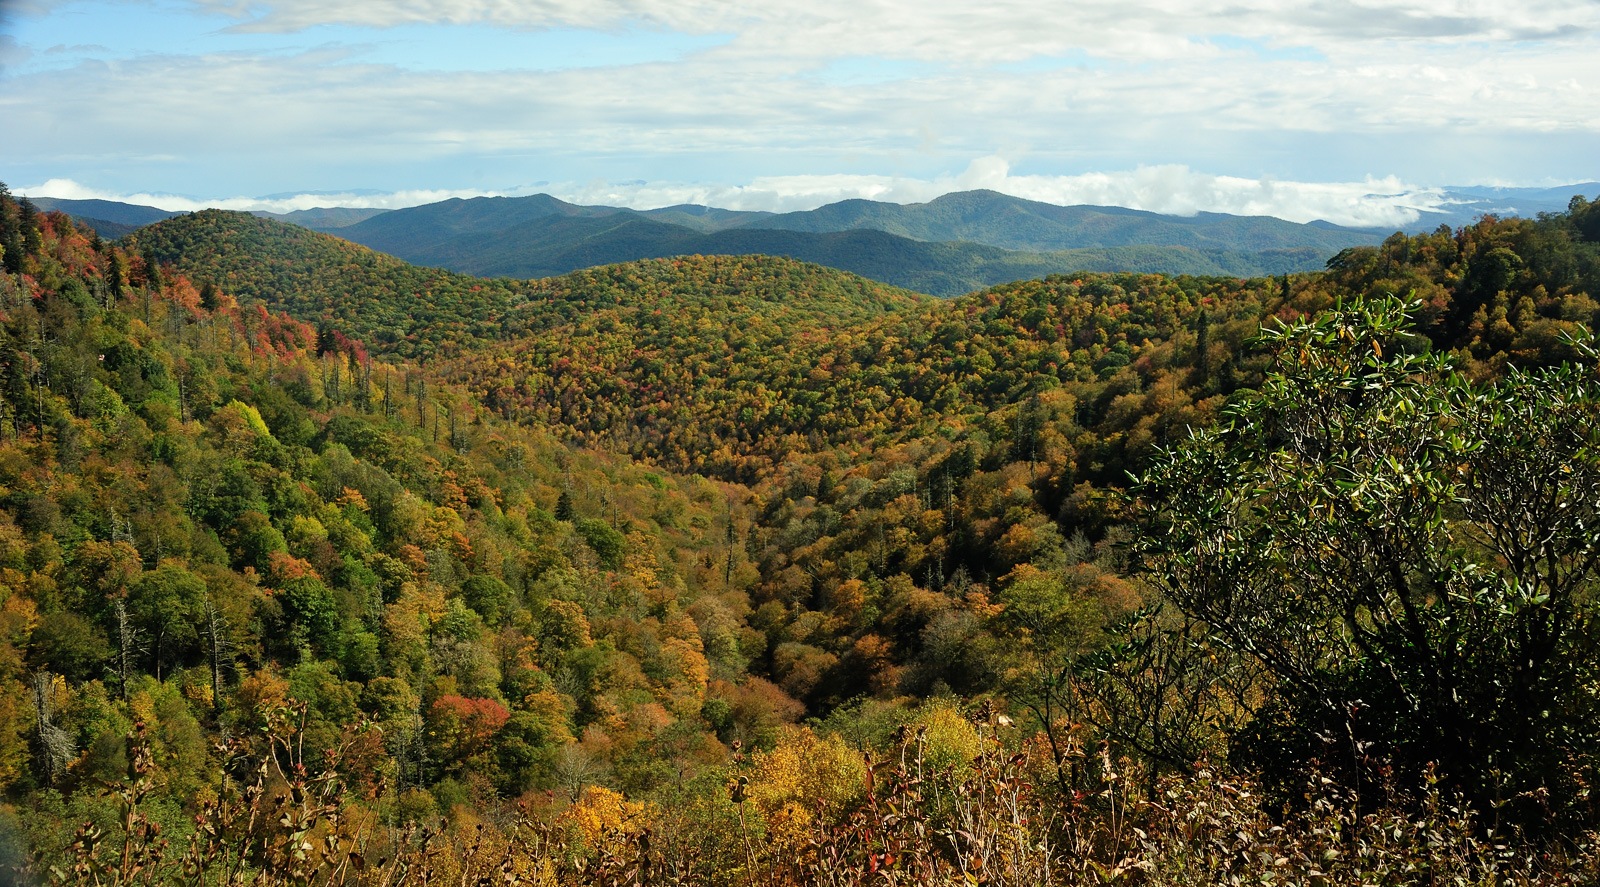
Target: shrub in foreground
x,y
889,817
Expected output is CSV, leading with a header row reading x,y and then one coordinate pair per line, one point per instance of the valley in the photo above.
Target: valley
x,y
730,550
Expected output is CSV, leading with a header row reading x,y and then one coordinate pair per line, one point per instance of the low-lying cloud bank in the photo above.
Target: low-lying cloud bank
x,y
67,189
1171,190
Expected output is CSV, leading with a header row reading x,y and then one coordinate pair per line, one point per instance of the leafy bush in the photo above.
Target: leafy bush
x,y
1409,556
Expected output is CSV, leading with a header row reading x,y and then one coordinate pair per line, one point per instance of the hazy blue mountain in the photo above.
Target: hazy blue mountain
x,y
110,218
420,227
559,241
324,218
1014,223
1466,204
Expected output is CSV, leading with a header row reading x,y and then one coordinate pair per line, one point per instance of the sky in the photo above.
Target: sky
x,y
1354,111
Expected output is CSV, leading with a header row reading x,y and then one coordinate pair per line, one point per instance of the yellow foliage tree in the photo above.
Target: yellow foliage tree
x,y
603,818
802,776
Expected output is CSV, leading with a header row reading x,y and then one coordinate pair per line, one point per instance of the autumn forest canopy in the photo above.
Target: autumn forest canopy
x,y
320,567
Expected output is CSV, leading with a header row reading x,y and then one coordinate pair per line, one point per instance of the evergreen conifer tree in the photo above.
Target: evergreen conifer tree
x,y
152,271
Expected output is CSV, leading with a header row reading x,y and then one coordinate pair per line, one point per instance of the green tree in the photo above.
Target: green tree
x,y
609,544
71,646
32,238
152,270
166,603
10,232
1585,218
488,597
1410,556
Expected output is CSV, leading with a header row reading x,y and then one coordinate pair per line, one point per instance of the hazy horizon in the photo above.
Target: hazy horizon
x,y
1372,209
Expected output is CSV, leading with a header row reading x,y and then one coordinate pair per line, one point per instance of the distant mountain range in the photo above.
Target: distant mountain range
x,y
953,244
995,219
1467,205
544,237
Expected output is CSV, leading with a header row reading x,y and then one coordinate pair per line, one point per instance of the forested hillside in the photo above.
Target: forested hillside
x,y
421,311
706,382
411,310
1126,354
212,510
742,570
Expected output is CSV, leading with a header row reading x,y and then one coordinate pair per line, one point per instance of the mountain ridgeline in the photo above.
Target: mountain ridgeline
x,y
1017,224
952,245
981,217
742,570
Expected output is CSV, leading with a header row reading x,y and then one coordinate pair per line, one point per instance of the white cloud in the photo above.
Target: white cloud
x,y
1178,190
957,30
1410,88
301,105
12,8
67,189
12,53
1172,190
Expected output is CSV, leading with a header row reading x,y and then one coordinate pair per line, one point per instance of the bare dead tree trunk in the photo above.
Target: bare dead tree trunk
x,y
216,629
56,748
125,647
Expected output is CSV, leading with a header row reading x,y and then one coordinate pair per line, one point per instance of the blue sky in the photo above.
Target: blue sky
x,y
1350,110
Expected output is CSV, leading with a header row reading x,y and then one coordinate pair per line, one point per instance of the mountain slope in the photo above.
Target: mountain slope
x,y
218,460
422,311
108,218
409,230
109,210
318,276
